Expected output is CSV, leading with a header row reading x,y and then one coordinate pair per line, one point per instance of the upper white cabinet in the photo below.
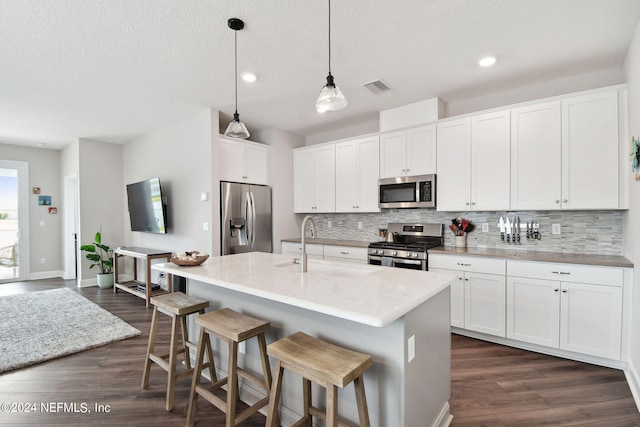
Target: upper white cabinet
x,y
565,154
490,161
590,151
536,156
474,163
314,179
244,161
408,152
454,165
357,170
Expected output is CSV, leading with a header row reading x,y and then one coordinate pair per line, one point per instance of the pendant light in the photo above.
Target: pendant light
x,y
331,97
236,128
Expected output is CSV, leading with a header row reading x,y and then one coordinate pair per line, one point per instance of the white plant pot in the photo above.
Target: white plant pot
x,y
105,281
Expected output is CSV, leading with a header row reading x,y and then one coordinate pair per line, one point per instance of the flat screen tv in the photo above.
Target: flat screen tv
x,y
147,206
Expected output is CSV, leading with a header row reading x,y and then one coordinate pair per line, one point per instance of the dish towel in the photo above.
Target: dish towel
x,y
387,261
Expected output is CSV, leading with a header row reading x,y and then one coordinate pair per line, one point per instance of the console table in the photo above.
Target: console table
x,y
141,289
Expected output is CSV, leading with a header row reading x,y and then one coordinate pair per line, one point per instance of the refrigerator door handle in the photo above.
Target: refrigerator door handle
x,y
247,215
253,221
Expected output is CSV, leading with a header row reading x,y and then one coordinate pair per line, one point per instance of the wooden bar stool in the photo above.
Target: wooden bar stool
x,y
232,327
325,364
178,306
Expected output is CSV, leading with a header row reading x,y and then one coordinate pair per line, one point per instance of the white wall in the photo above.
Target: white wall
x,y
100,198
180,154
465,103
44,241
281,143
632,220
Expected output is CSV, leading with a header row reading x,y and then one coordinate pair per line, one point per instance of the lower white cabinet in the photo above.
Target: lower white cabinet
x,y
570,315
295,249
345,253
328,252
478,296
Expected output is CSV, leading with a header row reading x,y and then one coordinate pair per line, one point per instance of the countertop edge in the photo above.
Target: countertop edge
x,y
333,242
538,256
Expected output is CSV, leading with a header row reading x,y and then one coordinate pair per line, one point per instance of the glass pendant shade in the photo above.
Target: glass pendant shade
x,y
331,97
236,128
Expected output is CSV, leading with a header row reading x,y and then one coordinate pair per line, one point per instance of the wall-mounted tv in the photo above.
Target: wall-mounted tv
x,y
147,206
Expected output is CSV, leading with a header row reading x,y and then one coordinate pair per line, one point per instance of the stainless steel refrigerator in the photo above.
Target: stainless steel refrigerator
x,y
245,215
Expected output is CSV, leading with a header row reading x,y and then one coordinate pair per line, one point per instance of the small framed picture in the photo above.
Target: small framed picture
x,y
44,200
53,210
36,190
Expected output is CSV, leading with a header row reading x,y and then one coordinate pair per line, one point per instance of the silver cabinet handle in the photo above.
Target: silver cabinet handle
x,y
344,253
564,200
564,291
463,264
556,290
561,272
557,201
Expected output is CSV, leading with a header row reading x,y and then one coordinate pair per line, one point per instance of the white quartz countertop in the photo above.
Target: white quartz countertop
x,y
367,294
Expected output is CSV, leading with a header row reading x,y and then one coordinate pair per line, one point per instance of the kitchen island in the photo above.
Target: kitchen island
x,y
400,317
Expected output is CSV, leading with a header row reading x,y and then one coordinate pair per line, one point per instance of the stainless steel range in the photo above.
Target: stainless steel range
x,y
409,248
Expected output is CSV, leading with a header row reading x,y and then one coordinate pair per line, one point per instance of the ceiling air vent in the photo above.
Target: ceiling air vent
x,y
377,86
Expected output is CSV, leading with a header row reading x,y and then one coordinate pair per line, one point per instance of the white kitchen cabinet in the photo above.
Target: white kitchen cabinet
x,y
490,161
580,311
408,152
536,160
346,253
480,304
244,161
295,249
357,171
474,163
590,151
565,154
314,172
454,165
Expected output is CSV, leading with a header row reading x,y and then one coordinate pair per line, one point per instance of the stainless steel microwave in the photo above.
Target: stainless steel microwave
x,y
407,192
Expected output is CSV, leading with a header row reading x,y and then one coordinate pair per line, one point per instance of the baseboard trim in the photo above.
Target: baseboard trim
x,y
53,274
444,418
633,379
594,360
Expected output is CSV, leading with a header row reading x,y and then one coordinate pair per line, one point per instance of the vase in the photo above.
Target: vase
x,y
460,241
105,281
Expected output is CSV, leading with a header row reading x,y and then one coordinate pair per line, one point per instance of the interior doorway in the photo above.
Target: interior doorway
x,y
71,227
14,198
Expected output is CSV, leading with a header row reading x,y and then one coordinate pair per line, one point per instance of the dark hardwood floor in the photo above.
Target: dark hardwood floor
x,y
492,385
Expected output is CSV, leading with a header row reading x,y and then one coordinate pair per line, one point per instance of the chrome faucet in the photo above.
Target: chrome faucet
x,y
303,255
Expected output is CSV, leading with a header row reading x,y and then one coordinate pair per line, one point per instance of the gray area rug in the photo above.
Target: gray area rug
x,y
44,325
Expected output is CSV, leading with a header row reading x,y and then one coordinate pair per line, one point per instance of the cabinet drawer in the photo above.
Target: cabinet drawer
x,y
566,272
467,263
290,248
345,252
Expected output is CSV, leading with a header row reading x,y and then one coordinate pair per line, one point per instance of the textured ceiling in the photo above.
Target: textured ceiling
x,y
113,70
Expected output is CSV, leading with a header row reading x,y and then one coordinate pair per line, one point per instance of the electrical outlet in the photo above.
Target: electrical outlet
x,y
242,347
555,228
43,260
329,224
42,223
411,348
359,225
205,226
485,227
204,196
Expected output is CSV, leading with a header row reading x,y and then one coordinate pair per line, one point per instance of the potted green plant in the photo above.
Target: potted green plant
x,y
101,256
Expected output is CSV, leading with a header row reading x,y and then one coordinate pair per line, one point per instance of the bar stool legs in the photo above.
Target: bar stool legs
x,y
233,328
325,364
178,306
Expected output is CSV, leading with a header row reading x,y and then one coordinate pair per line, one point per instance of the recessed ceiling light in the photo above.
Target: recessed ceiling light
x,y
487,61
249,77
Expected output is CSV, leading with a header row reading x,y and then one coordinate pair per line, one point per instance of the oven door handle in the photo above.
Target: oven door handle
x,y
397,260
406,261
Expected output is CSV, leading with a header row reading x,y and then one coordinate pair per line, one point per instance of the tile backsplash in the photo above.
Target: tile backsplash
x,y
587,232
